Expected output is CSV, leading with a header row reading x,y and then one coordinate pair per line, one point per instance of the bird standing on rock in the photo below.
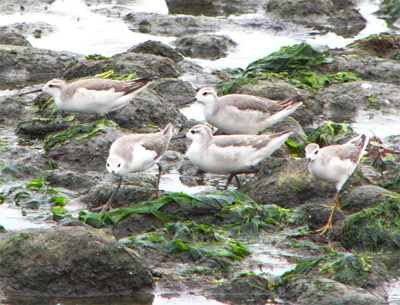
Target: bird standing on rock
x,y
136,153
230,154
95,95
335,164
242,113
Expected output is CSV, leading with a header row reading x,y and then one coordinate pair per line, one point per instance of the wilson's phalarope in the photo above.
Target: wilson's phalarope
x,y
136,153
335,164
230,154
241,113
95,95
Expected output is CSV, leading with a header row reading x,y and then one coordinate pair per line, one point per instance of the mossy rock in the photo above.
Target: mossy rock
x,y
304,291
243,289
374,229
366,196
69,261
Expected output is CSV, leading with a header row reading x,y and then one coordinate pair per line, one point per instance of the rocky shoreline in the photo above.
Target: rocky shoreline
x,y
200,244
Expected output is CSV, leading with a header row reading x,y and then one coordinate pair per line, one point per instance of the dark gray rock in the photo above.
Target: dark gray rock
x,y
166,25
212,8
366,196
10,37
23,6
204,46
339,16
22,66
156,48
69,261
325,292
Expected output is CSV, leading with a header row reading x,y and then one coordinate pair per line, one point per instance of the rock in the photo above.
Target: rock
x,y
374,229
166,25
150,111
244,289
325,292
212,8
13,109
143,189
69,262
71,180
204,46
285,183
35,29
84,147
366,196
339,17
10,37
10,6
173,91
22,66
125,63
41,128
156,48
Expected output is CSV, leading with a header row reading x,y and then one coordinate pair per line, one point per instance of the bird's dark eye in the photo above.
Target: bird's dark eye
x,y
205,93
193,131
108,164
119,165
51,86
315,152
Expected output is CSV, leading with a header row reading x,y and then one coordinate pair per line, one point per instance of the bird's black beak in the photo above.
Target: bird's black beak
x,y
187,102
306,166
29,92
178,137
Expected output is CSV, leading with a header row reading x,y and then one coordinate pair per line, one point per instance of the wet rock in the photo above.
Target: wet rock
x,y
35,29
212,8
71,180
324,291
339,17
21,163
69,261
156,48
10,6
385,70
244,289
125,63
204,46
13,109
150,111
166,25
374,229
366,196
285,183
10,37
82,148
22,66
344,101
143,189
41,128
173,91
315,216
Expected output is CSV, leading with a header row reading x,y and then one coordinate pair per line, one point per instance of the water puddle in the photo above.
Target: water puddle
x,y
267,259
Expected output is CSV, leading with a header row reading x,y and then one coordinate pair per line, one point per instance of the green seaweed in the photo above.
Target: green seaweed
x,y
110,74
290,63
326,134
194,241
232,211
374,229
95,57
77,132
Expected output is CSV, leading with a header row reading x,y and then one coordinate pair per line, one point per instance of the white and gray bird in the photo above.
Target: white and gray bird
x,y
95,95
335,164
230,154
242,113
136,153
